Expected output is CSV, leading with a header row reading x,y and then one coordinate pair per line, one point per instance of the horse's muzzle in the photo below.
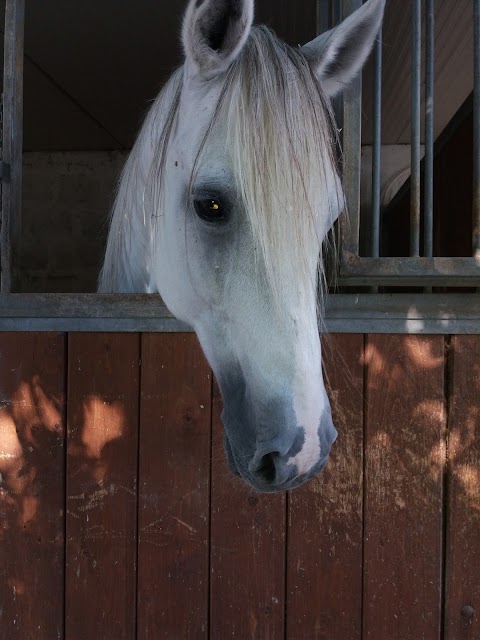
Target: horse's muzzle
x,y
271,470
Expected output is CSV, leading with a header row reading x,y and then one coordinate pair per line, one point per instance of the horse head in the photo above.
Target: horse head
x,y
229,193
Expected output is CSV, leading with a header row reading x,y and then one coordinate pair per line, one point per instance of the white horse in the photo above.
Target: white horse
x,y
222,208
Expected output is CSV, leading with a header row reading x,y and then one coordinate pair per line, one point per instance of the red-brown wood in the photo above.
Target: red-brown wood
x,y
462,607
405,453
174,488
32,419
103,389
247,552
403,520
324,580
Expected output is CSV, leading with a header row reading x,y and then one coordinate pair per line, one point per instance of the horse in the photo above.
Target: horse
x,y
223,208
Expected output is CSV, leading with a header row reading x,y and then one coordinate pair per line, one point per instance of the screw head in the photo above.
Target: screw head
x,y
467,611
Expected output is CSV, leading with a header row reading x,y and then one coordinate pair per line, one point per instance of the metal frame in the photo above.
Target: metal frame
x,y
345,313
416,269
12,140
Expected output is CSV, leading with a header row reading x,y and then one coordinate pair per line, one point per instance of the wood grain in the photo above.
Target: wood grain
x,y
462,606
324,579
32,473
247,552
174,483
103,389
405,459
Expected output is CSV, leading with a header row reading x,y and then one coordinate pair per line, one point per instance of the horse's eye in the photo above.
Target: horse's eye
x,y
210,210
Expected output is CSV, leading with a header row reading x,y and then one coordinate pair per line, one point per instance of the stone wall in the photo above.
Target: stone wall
x,y
67,197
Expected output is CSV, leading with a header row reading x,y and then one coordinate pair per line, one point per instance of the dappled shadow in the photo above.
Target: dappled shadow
x,y
94,432
30,430
406,422
34,475
101,484
412,383
372,522
32,419
464,427
393,397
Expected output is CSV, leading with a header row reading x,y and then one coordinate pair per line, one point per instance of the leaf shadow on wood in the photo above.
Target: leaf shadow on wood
x,y
32,431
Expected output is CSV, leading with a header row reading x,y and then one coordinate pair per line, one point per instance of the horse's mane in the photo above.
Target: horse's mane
x,y
280,132
126,268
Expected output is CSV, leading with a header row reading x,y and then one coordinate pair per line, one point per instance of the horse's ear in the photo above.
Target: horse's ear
x,y
338,55
214,32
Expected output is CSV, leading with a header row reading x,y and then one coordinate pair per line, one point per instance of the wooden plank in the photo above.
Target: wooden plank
x,y
247,552
103,387
462,607
324,579
174,486
32,500
405,458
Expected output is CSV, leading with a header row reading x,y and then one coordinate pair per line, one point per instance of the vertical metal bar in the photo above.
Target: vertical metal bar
x,y
476,126
337,101
376,147
415,132
12,139
352,123
429,105
337,12
322,16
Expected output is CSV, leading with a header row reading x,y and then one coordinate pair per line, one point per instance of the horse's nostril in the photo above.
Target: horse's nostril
x,y
266,469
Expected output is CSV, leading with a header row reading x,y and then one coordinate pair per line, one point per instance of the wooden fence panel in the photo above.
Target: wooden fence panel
x,y
174,484
103,391
405,457
215,559
247,592
324,577
462,610
32,472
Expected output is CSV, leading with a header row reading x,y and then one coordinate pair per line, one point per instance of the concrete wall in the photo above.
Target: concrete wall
x,y
66,200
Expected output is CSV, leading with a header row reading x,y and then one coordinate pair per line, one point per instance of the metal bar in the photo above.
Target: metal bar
x,y
146,307
376,147
337,101
415,130
403,313
344,313
123,325
337,12
476,126
322,16
12,139
84,305
409,271
429,105
352,122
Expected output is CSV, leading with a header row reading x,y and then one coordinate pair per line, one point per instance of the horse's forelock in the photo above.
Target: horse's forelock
x,y
281,138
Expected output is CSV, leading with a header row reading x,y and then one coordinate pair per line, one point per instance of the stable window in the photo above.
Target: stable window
x,y
422,225
409,250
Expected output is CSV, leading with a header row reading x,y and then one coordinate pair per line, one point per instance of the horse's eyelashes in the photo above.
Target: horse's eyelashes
x,y
210,209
